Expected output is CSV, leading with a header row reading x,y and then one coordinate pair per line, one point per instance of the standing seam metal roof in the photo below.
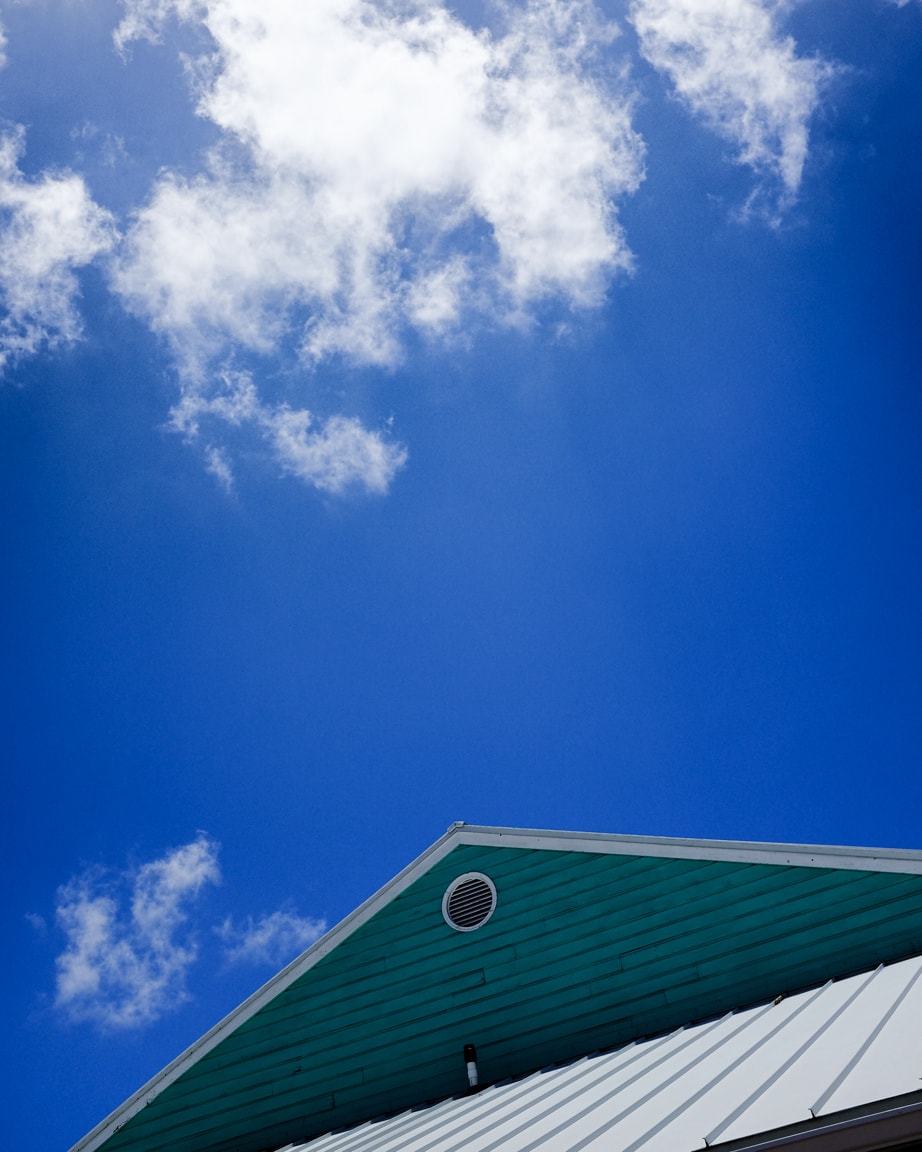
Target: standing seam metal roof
x,y
810,1056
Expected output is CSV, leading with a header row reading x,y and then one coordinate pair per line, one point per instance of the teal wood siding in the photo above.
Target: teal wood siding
x,y
584,951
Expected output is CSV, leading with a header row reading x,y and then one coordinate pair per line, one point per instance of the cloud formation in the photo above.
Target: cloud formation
x,y
382,170
333,455
123,968
731,65
49,227
382,167
271,940
383,151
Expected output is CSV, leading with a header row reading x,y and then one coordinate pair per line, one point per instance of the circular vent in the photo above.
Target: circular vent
x,y
469,901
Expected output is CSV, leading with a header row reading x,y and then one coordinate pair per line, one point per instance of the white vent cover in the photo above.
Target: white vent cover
x,y
469,901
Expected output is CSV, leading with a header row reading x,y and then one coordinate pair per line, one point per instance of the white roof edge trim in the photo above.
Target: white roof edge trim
x,y
904,860
817,1132
739,851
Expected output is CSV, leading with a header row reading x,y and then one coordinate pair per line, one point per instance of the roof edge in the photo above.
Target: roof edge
x,y
904,860
860,1129
459,833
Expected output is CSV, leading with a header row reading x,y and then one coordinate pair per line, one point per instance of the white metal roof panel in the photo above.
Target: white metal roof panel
x,y
888,1058
848,1044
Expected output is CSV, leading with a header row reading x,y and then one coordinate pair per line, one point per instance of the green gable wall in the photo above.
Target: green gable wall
x,y
584,951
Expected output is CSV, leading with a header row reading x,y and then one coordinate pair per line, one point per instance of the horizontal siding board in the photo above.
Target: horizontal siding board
x,y
278,1081
815,938
771,894
289,1101
656,897
217,1126
755,921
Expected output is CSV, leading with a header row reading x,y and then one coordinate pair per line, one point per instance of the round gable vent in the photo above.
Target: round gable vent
x,y
469,901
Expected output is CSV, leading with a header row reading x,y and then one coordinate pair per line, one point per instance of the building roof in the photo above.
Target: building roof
x,y
789,1067
595,941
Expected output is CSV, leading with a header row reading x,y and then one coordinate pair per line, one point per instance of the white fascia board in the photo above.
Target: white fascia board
x,y
793,855
904,860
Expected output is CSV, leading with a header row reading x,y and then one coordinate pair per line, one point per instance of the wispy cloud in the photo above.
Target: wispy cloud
x,y
128,947
731,65
130,943
272,940
48,228
333,455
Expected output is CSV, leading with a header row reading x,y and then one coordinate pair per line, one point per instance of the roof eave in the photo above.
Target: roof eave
x,y
739,851
858,1130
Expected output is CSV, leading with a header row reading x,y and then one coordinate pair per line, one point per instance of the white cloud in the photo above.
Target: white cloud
x,y
123,968
435,300
340,454
382,167
272,940
334,455
48,228
374,138
730,63
110,147
217,463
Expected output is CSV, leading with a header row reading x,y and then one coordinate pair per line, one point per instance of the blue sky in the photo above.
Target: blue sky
x,y
417,413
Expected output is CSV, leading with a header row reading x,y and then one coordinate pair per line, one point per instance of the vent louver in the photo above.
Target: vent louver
x,y
469,901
